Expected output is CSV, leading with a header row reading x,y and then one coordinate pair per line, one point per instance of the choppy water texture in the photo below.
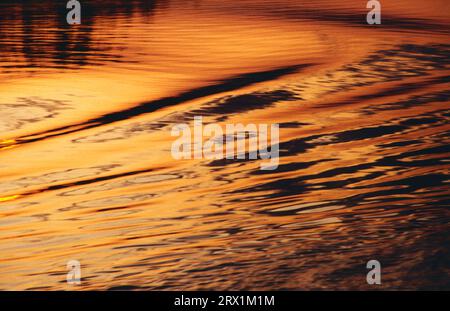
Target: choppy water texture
x,y
87,173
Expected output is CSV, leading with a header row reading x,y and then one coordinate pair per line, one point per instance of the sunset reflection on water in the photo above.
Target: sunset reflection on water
x,y
85,145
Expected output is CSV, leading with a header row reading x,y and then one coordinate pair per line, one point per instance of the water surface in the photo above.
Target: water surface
x,y
86,171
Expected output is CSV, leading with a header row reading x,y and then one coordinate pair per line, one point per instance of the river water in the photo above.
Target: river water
x,y
86,171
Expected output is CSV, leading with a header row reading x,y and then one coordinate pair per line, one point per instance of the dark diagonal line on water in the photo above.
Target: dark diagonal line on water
x,y
227,85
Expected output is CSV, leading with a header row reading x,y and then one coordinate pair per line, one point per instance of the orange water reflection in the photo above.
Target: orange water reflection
x,y
87,174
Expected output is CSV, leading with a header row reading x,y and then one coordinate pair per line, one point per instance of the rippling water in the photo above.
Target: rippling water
x,y
85,138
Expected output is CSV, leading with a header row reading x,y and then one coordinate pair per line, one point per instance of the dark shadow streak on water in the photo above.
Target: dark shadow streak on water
x,y
231,84
89,181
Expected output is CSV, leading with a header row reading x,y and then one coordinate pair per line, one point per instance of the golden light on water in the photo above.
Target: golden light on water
x,y
9,198
86,170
